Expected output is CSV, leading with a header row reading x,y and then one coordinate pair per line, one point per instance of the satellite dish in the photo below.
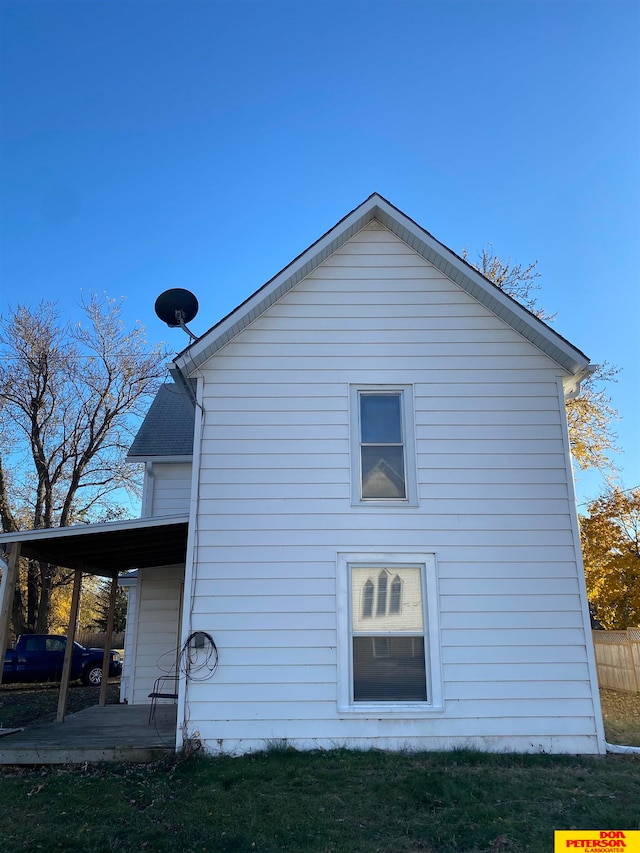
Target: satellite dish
x,y
177,307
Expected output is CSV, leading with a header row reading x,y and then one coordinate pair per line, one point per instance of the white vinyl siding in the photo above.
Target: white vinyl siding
x,y
275,510
170,488
126,679
157,623
152,634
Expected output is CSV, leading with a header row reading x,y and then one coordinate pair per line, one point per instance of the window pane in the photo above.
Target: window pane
x,y
380,421
404,601
383,472
398,676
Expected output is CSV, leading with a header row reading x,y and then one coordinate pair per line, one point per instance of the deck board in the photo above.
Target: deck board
x,y
107,733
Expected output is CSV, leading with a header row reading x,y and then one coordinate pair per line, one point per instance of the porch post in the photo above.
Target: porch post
x,y
107,642
68,652
8,589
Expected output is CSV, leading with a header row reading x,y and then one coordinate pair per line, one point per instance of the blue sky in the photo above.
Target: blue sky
x,y
149,145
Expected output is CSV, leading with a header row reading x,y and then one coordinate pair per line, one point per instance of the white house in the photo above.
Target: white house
x,y
372,455
383,540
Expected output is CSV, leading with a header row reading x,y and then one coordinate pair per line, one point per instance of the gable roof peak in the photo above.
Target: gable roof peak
x,y
378,208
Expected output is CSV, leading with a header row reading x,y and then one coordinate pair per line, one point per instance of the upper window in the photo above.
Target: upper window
x,y
382,446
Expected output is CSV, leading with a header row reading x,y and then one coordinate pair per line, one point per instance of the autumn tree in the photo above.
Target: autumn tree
x,y
90,605
611,551
590,415
70,396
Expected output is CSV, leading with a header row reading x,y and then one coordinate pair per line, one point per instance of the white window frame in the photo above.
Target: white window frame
x,y
433,665
405,393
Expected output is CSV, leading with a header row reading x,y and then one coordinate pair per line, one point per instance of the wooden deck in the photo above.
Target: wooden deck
x,y
108,733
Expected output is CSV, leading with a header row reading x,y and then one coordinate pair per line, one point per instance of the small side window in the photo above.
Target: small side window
x,y
383,455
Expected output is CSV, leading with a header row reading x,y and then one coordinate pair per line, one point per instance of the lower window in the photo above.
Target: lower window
x,y
387,619
387,624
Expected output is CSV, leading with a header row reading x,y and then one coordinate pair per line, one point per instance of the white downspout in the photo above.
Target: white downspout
x,y
148,490
582,583
191,559
570,392
146,511
622,750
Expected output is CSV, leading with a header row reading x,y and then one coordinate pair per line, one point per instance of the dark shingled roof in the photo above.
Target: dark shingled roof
x,y
167,429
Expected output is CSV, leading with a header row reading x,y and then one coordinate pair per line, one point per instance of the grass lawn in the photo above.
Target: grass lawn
x,y
339,801
322,801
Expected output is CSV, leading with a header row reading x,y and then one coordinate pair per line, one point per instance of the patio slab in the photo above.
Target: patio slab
x,y
107,733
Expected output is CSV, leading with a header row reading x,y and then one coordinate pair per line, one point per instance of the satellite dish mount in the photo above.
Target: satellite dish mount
x,y
176,308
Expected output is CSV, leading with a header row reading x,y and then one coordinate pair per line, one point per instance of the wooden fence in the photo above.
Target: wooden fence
x,y
618,659
96,640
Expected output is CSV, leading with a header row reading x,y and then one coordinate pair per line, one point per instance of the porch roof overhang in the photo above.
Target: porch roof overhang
x,y
107,549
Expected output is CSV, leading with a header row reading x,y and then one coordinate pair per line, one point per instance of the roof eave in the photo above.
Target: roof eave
x,y
166,458
107,549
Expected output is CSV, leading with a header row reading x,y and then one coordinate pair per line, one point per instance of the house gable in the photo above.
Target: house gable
x,y
374,212
280,523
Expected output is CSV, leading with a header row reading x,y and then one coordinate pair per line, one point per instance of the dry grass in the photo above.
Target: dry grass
x,y
25,704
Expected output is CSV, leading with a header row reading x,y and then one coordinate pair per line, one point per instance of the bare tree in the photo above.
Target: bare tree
x,y
518,280
69,398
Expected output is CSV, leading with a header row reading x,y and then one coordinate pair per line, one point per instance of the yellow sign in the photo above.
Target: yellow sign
x,y
596,839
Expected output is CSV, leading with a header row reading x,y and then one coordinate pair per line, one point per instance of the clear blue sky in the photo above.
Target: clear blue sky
x,y
149,145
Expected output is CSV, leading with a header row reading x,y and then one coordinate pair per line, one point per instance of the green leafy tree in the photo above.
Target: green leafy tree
x,y
611,551
590,415
69,399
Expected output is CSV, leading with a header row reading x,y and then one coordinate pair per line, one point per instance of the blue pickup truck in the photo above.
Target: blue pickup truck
x,y
39,657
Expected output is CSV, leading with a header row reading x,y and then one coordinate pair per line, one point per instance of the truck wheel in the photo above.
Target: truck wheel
x,y
92,676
